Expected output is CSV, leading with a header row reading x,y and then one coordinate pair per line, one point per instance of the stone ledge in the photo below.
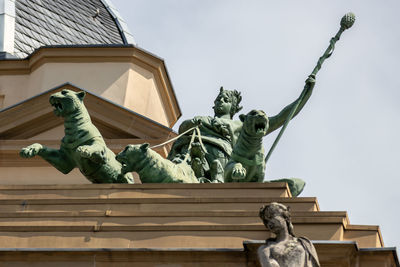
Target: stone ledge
x,y
94,234
146,186
118,200
93,226
295,215
331,253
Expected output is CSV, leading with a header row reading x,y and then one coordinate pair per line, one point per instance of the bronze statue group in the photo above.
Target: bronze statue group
x,y
210,149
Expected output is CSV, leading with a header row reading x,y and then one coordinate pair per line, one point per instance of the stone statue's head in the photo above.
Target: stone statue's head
x,y
227,102
274,216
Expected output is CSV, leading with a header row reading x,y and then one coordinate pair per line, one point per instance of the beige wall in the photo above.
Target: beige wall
x,y
142,85
56,133
126,75
40,175
43,175
123,83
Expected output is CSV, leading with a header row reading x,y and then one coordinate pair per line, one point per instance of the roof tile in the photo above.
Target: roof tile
x,y
53,22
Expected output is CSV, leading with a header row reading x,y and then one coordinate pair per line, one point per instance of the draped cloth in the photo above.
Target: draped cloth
x,y
311,259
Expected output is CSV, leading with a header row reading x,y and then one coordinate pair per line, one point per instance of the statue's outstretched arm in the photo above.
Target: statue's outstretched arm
x,y
278,120
186,125
196,121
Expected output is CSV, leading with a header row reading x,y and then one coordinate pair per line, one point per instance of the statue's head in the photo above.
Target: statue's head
x,y
132,157
276,217
227,103
67,102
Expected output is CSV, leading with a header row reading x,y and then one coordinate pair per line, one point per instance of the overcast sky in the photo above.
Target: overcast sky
x,y
345,143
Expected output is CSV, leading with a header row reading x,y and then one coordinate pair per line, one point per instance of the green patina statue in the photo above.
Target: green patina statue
x,y
152,168
224,150
246,163
209,149
82,146
218,134
235,147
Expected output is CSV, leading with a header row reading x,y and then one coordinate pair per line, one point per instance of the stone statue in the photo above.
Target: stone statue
x,y
285,250
152,168
82,146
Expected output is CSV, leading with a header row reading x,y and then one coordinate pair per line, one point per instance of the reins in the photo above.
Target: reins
x,y
196,132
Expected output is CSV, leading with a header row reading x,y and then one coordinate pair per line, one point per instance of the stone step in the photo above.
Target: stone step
x,y
154,204
191,227
154,236
112,191
304,215
367,235
159,215
87,221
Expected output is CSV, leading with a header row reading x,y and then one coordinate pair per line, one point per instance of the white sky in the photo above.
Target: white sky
x,y
345,143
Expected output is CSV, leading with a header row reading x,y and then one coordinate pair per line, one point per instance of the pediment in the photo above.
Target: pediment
x,y
34,118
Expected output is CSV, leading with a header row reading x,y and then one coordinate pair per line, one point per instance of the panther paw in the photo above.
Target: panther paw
x,y
94,155
238,172
31,151
84,151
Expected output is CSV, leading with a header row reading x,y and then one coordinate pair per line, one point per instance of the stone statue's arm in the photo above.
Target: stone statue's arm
x,y
264,257
278,120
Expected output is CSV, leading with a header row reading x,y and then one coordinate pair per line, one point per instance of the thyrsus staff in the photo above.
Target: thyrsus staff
x,y
346,22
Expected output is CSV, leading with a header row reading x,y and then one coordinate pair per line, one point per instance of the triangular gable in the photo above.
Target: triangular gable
x,y
35,116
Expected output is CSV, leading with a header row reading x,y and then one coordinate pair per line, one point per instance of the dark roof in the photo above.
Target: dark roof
x,y
64,22
6,56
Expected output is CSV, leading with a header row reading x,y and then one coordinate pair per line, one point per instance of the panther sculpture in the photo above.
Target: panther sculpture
x,y
82,146
246,163
152,168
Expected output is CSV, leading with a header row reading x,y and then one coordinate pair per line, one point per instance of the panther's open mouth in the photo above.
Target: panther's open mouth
x,y
260,127
122,160
58,107
123,164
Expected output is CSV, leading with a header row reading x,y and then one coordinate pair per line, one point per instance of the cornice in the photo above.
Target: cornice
x,y
97,54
